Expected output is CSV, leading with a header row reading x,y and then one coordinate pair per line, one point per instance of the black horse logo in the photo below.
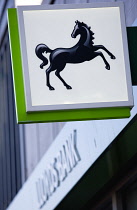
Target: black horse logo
x,y
84,50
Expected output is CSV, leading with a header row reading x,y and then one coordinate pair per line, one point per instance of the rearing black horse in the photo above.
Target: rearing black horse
x,y
84,50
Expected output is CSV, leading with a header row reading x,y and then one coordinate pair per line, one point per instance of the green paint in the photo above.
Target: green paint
x,y
47,116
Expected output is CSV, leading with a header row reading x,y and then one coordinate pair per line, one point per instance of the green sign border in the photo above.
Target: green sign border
x,y
47,116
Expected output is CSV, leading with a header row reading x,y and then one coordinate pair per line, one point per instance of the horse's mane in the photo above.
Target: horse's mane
x,y
89,28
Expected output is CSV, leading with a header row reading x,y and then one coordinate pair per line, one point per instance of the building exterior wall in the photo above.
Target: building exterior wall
x,y
38,138
10,170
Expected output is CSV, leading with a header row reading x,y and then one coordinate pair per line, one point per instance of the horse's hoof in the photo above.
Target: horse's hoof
x,y
112,57
68,87
51,88
107,67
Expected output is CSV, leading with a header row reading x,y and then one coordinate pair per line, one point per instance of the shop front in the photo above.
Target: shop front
x,y
89,165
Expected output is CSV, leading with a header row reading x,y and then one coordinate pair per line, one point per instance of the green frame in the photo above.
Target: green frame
x,y
47,116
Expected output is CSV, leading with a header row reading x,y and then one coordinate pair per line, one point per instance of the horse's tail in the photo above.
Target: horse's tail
x,y
39,50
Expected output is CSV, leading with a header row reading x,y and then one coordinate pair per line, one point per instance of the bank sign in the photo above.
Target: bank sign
x,y
62,168
70,62
55,173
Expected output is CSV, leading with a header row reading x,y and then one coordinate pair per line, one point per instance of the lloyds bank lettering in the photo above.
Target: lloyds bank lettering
x,y
58,169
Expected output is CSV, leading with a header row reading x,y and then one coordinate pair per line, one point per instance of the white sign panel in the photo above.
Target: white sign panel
x,y
75,56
